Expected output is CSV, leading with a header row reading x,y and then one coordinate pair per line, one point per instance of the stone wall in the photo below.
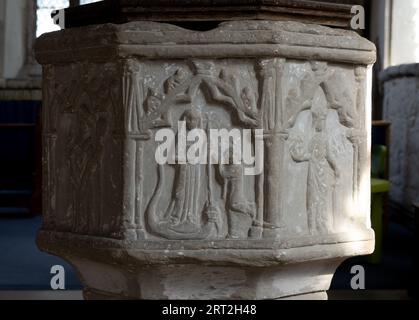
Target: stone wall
x,y
401,108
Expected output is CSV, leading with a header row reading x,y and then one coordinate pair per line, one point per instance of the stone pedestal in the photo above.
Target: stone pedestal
x,y
137,229
401,107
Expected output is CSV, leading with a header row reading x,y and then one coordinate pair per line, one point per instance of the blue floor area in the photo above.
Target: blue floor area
x,y
396,270
22,265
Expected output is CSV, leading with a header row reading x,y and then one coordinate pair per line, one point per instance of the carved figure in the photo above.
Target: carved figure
x,y
240,212
320,185
181,220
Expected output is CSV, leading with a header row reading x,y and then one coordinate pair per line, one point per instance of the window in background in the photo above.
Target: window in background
x,y
44,22
405,32
88,1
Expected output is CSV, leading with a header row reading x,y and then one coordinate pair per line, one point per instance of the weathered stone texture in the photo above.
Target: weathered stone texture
x,y
137,229
401,108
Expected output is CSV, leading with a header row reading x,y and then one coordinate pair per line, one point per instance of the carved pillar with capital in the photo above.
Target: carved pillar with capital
x,y
271,74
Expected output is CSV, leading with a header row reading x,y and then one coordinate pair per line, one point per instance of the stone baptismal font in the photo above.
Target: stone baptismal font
x,y
288,72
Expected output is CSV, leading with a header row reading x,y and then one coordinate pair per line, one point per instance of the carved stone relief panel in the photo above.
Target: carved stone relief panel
x,y
312,135
208,201
82,154
308,146
323,133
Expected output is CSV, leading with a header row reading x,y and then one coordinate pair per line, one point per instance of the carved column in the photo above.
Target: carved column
x,y
131,136
137,228
271,74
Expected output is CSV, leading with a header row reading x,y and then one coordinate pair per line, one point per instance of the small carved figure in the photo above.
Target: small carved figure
x,y
184,218
176,80
248,98
184,206
152,102
241,212
320,186
86,147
